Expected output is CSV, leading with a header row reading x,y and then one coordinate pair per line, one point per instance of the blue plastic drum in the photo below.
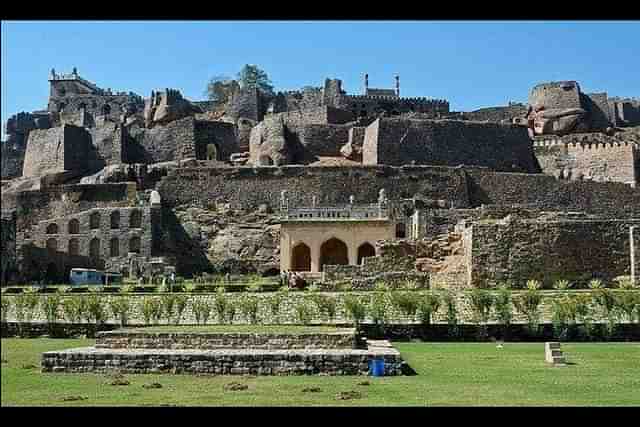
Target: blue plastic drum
x,y
376,367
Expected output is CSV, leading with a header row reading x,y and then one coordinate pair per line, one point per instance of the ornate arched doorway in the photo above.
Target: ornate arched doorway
x,y
333,252
301,258
364,251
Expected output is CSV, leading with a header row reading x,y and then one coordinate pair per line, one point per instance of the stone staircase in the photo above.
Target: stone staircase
x,y
553,354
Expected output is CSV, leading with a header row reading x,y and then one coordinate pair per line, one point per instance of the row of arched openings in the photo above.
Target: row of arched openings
x,y
332,252
95,246
73,227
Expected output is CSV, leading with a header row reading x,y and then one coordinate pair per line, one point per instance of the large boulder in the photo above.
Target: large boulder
x,y
167,106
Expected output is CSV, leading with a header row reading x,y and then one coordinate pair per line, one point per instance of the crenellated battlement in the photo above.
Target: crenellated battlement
x,y
415,100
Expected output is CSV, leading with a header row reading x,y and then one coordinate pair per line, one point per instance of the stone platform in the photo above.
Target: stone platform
x,y
224,361
339,352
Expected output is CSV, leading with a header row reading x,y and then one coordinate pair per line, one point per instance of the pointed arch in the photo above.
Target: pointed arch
x,y
74,226
301,258
365,250
334,252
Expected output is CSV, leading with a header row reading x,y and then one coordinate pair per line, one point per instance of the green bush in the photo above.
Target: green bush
x,y
562,285
356,309
595,284
504,307
151,309
528,303
51,308
201,310
230,312
564,315
96,309
74,309
120,308
584,314
608,303
427,307
378,310
326,306
304,311
629,305
624,282
181,302
5,306
481,303
274,302
168,302
406,303
249,306
221,303
451,310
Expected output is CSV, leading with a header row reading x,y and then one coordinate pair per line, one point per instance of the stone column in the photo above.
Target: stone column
x,y
632,246
315,256
352,253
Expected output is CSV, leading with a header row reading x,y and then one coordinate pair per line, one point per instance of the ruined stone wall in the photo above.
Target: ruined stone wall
x,y
516,251
11,160
108,140
65,148
247,103
496,114
365,105
592,161
448,142
615,200
600,113
7,248
221,134
564,94
174,141
250,187
324,140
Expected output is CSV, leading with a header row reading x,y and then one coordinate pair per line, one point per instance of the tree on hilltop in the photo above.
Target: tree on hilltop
x,y
253,76
217,88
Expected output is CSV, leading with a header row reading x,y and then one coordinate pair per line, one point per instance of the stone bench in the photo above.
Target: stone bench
x,y
553,353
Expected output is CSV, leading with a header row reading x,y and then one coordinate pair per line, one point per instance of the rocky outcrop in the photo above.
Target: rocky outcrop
x,y
268,145
167,106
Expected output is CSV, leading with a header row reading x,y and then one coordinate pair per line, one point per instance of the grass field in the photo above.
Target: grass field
x,y
448,374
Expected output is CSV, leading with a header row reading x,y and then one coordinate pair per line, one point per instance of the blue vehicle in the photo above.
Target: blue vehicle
x,y
86,276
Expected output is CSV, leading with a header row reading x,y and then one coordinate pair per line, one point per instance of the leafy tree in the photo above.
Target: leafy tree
x,y
427,306
181,305
504,307
120,307
481,303
528,303
252,76
249,306
217,88
201,310
326,305
355,309
451,309
50,306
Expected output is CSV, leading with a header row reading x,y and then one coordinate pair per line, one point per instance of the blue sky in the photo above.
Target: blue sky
x,y
471,63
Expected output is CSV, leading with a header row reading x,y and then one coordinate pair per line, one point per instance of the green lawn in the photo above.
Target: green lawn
x,y
448,374
241,329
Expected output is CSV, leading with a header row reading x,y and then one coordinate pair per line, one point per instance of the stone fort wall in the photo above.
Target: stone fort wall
x,y
516,251
615,161
449,143
59,149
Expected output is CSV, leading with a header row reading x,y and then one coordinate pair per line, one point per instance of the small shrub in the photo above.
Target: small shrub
x,y
5,306
356,309
584,314
406,303
533,285
64,289
378,309
481,303
274,302
595,284
19,307
231,311
608,303
249,306
30,302
427,307
51,308
624,282
504,307
562,285
304,311
451,310
528,303
74,309
255,287
96,309
381,286
220,304
151,309
190,287
127,289
201,311
168,302
326,306
120,308
564,314
181,302
629,304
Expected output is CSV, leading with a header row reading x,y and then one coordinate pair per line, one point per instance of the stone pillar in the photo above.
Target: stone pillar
x,y
352,253
633,235
315,257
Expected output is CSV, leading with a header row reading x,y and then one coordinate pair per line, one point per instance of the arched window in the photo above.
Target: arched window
x,y
115,220
114,247
94,248
301,258
52,245
364,251
74,247
74,226
134,245
401,232
333,252
52,229
94,221
135,220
